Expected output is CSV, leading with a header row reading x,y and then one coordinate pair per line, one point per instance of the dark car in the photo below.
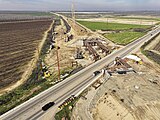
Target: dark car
x,y
47,106
96,73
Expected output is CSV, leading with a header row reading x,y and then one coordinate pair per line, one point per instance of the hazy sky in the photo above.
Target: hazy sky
x,y
86,5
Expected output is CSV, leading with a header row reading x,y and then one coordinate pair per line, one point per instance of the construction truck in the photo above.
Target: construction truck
x,y
78,54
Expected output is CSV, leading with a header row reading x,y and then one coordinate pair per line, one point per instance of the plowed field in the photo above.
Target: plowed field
x,y
18,44
157,47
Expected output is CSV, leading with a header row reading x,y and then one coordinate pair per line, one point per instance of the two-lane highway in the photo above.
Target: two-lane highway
x,y
31,109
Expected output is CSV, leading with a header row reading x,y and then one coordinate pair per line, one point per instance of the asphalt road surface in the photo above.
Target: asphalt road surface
x,y
32,109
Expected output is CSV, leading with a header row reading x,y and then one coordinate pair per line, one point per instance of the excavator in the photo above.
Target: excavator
x,y
46,73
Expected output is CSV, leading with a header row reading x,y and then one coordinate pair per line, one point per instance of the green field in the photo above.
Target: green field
x,y
124,38
111,26
140,18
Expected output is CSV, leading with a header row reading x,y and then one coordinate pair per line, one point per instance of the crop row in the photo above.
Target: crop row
x,y
26,42
24,25
16,55
13,78
18,44
7,74
9,68
157,47
21,36
16,48
19,41
15,60
29,50
9,71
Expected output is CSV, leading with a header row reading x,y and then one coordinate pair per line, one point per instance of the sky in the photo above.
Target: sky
x,y
80,5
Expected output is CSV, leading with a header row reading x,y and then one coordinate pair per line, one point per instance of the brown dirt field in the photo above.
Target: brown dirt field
x,y
123,100
18,47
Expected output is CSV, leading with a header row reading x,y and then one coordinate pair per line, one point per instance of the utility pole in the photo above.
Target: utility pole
x,y
57,54
73,12
73,15
141,22
58,64
107,20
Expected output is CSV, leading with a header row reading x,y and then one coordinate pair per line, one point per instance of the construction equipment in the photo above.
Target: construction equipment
x,y
45,71
104,49
120,66
95,42
66,102
121,62
93,52
134,58
96,73
69,37
78,54
47,74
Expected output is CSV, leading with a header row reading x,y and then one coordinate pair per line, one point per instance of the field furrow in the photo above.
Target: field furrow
x,y
157,47
18,45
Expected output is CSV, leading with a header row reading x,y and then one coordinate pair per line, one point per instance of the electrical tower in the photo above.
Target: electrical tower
x,y
73,12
